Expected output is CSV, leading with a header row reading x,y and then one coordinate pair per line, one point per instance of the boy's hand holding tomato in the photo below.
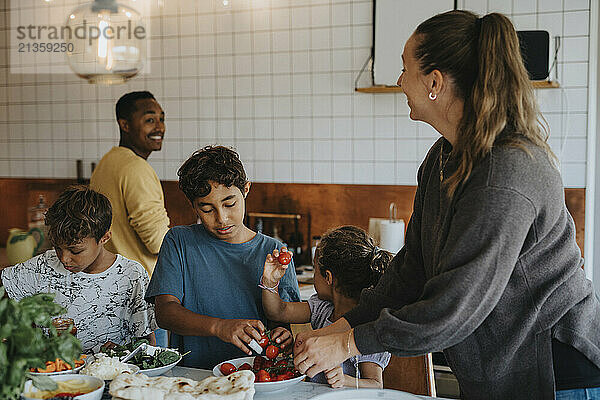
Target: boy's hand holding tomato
x,y
275,266
239,332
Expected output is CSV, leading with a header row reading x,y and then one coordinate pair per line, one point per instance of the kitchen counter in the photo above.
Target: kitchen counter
x,y
299,391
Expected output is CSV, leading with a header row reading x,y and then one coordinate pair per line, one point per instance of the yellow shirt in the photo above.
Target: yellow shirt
x,y
140,219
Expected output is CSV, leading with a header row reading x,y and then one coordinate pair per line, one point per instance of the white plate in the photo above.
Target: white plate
x,y
366,394
259,386
67,372
93,395
150,350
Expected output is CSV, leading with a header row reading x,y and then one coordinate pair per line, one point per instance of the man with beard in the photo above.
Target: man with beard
x,y
140,219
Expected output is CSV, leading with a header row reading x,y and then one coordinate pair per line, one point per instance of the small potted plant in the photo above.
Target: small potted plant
x,y
24,345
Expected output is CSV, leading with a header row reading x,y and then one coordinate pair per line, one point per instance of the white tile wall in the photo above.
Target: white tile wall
x,y
275,80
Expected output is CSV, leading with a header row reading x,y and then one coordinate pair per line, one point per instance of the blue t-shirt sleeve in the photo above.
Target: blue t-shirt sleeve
x,y
167,277
288,286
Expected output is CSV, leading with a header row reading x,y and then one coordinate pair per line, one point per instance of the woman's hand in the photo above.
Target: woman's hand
x,y
335,377
273,270
240,332
314,353
282,337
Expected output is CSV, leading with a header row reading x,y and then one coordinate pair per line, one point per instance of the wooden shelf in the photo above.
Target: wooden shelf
x,y
274,215
545,84
380,89
398,89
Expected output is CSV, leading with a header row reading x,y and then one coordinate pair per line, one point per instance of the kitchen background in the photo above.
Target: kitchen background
x,y
275,80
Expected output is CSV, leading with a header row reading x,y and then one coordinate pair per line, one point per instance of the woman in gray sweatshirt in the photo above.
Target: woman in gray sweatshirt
x,y
490,272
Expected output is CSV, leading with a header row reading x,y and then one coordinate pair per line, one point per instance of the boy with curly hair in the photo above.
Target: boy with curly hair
x,y
204,284
102,292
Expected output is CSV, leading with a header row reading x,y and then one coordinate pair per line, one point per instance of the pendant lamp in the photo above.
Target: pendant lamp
x,y
108,42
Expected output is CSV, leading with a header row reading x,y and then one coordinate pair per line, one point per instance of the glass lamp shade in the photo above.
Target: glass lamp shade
x,y
107,44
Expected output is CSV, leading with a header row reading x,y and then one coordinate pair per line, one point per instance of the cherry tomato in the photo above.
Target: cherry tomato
x,y
263,376
288,375
284,258
271,351
244,366
258,363
264,341
282,377
227,368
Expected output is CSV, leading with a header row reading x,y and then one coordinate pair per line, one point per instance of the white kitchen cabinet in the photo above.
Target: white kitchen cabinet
x,y
395,21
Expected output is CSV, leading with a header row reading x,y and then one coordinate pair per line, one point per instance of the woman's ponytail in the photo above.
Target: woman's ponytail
x,y
483,58
379,262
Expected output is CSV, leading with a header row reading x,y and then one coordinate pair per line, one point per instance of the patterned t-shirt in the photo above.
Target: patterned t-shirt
x,y
105,306
320,311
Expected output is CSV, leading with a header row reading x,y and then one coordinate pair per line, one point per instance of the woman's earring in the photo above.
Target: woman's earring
x,y
432,96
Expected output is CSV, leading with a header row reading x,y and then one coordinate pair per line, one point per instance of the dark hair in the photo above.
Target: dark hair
x,y
126,105
349,253
217,164
483,59
79,212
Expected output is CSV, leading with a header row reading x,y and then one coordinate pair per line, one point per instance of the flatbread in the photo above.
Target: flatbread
x,y
237,386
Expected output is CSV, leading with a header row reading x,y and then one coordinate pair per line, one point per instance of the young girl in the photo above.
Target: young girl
x,y
346,261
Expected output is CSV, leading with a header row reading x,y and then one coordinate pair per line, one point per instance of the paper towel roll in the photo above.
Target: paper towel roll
x,y
391,235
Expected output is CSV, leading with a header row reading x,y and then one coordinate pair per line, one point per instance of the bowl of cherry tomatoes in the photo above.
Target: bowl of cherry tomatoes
x,y
269,375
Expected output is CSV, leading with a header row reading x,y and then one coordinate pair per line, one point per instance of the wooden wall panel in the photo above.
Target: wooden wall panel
x,y
17,195
331,205
13,206
178,207
328,205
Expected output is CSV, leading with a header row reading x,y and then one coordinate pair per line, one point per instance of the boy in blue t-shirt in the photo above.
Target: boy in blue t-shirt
x,y
204,285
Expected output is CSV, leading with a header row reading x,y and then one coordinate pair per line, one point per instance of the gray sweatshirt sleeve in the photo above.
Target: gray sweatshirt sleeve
x,y
403,280
489,227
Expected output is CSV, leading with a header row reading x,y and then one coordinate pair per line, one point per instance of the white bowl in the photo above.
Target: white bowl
x,y
259,386
134,368
69,371
93,395
150,350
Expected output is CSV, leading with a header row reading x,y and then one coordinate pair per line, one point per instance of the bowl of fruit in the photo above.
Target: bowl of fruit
x,y
269,375
274,371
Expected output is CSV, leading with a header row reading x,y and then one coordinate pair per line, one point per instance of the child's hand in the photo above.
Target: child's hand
x,y
240,332
273,270
108,345
335,377
282,337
